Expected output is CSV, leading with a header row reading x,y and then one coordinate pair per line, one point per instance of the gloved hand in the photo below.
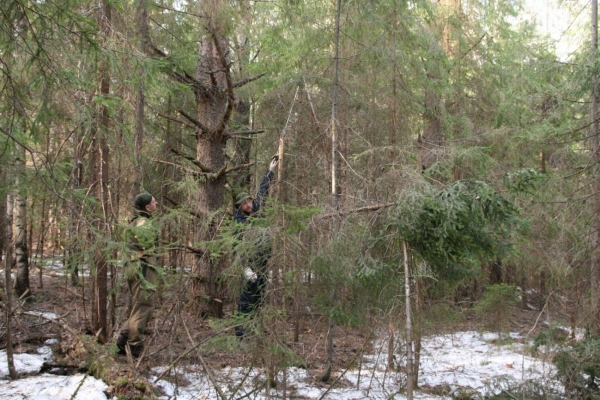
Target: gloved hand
x,y
274,162
250,275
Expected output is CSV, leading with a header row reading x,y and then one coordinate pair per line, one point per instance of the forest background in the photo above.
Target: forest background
x,y
452,143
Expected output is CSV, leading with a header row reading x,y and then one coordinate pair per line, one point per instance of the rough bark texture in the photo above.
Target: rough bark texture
x,y
12,372
214,102
99,313
21,251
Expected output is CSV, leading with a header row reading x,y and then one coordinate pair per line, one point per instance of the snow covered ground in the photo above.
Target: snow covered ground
x,y
463,360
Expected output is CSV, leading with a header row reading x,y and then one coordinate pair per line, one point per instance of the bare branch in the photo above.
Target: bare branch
x,y
194,161
181,167
247,132
355,210
248,80
194,121
171,118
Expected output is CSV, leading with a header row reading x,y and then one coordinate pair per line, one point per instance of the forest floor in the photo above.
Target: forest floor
x,y
176,328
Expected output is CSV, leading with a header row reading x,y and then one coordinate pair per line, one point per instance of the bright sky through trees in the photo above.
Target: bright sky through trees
x,y
564,22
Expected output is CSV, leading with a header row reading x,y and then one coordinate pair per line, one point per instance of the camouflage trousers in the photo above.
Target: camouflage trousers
x,y
143,294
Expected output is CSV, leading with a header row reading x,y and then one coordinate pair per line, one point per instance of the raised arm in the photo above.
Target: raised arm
x,y
263,190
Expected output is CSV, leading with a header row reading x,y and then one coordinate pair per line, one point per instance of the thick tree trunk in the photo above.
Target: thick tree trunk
x,y
214,102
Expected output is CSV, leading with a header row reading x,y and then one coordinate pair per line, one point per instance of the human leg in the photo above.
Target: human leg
x,y
142,308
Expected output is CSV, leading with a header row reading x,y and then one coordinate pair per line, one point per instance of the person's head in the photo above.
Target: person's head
x,y
244,202
145,202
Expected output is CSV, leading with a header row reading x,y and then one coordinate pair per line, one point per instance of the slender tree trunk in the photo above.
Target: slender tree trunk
x,y
409,328
334,172
594,259
3,222
102,170
142,19
416,335
394,109
76,180
12,372
334,132
391,342
21,251
41,242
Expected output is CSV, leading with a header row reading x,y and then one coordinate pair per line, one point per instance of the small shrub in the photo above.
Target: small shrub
x,y
579,368
496,306
549,339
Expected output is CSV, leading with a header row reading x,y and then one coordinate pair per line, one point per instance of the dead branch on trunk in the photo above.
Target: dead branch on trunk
x,y
194,121
248,80
353,211
191,159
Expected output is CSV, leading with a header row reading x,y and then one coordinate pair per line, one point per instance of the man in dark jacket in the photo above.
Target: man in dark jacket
x,y
141,268
254,249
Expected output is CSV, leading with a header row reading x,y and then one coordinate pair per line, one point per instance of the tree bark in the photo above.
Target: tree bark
x,y
409,328
214,103
12,372
142,18
101,166
334,174
21,251
595,156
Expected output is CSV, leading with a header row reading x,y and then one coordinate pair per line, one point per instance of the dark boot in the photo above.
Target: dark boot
x,y
240,331
121,343
136,350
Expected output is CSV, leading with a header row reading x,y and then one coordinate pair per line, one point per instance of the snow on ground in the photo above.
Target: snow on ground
x,y
464,359
46,386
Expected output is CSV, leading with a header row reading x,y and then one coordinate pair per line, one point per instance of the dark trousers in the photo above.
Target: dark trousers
x,y
253,295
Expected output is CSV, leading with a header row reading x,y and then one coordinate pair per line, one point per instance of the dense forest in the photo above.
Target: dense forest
x,y
438,165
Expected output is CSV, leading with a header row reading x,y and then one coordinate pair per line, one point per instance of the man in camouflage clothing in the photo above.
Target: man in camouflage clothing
x,y
141,266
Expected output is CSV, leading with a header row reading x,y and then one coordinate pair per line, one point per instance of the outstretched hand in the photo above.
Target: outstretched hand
x,y
274,162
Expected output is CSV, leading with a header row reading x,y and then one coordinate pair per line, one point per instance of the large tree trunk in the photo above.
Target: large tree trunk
x,y
214,102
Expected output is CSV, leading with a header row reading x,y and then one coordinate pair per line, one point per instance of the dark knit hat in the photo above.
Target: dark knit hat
x,y
142,200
